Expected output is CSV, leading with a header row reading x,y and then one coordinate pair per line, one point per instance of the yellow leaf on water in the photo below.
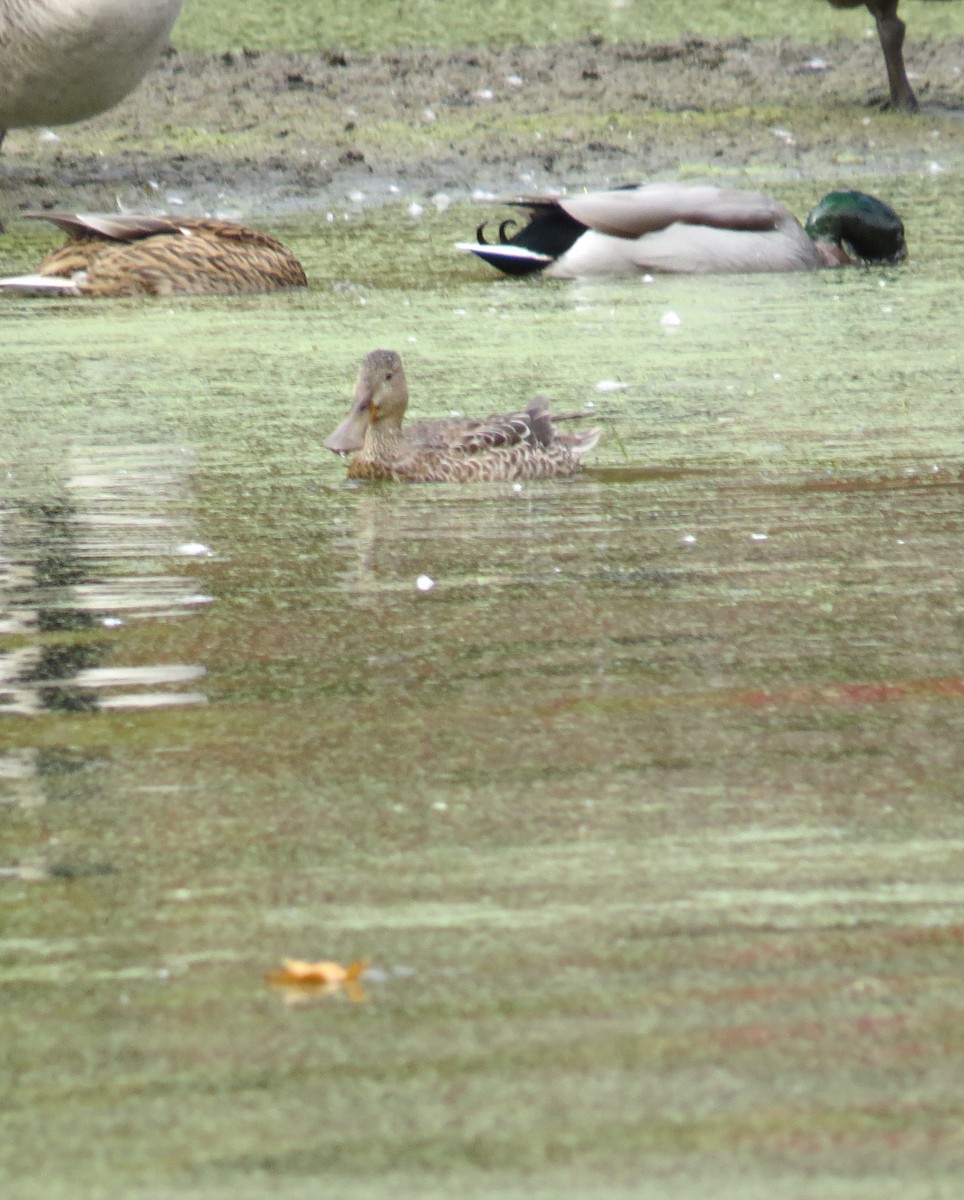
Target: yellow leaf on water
x,y
323,977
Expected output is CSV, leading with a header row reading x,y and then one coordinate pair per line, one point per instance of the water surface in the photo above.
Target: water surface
x,y
647,813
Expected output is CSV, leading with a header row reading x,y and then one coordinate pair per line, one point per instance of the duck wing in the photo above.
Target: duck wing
x,y
117,227
533,428
633,212
129,227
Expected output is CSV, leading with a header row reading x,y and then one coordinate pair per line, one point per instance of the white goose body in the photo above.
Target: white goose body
x,y
66,60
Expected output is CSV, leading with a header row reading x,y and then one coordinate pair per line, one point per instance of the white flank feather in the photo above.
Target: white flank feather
x,y
502,251
40,284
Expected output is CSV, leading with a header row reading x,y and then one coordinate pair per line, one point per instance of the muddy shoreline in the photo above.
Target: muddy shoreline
x,y
275,132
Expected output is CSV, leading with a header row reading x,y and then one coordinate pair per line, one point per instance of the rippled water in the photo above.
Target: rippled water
x,y
647,811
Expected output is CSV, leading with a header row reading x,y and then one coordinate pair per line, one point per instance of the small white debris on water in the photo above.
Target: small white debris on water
x,y
514,80
176,200
785,136
329,217
428,116
48,135
817,64
112,622
441,201
517,487
670,320
777,375
648,279
356,196
415,209
688,538
484,94
440,806
935,168
425,583
194,549
759,537
610,385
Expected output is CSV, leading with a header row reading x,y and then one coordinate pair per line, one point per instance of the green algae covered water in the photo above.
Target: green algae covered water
x,y
640,791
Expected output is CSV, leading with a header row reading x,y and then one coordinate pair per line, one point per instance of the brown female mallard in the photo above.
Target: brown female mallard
x,y
159,256
521,445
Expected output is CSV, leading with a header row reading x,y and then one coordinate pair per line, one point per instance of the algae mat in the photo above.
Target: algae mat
x,y
647,814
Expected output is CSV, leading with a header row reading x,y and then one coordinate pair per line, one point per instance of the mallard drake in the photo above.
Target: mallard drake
x,y
65,60
890,31
689,228
520,445
159,256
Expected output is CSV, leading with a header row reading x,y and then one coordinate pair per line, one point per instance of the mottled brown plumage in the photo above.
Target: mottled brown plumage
x,y
521,445
160,256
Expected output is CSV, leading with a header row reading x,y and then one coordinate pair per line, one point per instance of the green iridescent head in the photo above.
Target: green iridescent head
x,y
865,226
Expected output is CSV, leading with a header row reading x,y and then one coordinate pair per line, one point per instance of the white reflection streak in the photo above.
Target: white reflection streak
x,y
19,782
69,562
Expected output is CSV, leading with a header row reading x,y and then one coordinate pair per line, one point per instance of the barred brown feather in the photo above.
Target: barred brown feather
x,y
520,445
167,256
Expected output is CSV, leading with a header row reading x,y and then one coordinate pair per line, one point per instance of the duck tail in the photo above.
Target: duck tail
x,y
40,285
511,260
581,443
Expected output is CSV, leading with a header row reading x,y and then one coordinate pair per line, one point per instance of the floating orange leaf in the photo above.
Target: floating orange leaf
x,y
301,978
294,970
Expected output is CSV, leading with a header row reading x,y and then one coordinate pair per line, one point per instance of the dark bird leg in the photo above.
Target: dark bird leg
x,y
890,30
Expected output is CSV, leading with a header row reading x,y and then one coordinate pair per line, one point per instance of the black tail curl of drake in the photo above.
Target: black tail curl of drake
x,y
550,231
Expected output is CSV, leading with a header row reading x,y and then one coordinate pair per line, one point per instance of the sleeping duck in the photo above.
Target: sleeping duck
x,y
519,445
686,228
65,60
124,255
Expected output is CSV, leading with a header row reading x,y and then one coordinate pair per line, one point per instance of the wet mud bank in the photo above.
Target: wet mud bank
x,y
270,131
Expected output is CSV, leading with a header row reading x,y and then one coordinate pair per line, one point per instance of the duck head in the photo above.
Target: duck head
x,y
845,223
381,397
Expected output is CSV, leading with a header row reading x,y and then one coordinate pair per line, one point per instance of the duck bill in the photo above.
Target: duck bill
x,y
350,434
831,254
